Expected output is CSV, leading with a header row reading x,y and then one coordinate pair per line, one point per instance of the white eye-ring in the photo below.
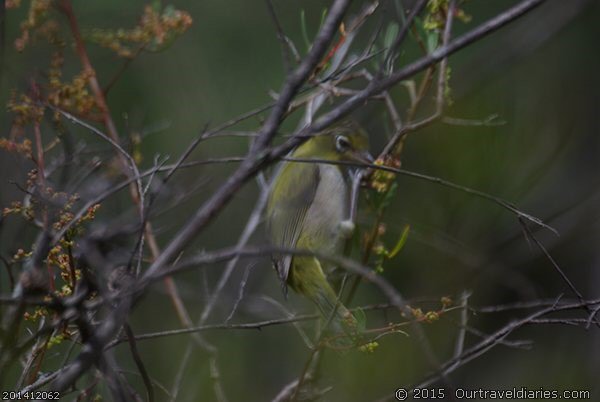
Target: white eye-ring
x,y
342,143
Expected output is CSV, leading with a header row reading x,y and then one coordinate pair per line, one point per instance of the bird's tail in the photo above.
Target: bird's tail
x,y
335,313
308,278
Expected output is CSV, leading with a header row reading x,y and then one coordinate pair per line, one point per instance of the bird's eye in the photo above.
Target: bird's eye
x,y
342,143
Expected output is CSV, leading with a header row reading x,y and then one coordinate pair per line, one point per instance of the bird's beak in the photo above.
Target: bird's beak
x,y
363,157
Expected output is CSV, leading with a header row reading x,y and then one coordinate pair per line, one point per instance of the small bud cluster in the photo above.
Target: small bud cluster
x,y
368,347
18,208
38,313
381,180
72,96
446,302
432,315
26,110
436,16
38,9
64,335
21,255
23,147
154,32
60,257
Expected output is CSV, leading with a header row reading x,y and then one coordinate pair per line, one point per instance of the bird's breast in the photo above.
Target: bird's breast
x,y
329,208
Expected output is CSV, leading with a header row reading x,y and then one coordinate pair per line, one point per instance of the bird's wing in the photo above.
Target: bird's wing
x,y
295,188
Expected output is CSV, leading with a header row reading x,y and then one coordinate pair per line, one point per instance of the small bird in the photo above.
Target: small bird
x,y
308,209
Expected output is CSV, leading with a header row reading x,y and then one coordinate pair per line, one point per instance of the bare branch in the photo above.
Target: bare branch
x,y
256,156
378,86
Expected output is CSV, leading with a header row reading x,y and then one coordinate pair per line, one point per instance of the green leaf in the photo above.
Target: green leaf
x,y
432,41
304,30
400,244
323,15
390,35
361,319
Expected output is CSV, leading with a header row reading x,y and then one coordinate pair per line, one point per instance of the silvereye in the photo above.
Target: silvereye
x,y
308,208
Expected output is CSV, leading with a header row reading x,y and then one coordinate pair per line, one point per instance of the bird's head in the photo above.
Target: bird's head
x,y
346,142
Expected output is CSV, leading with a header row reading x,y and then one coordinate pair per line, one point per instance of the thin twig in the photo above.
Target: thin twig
x,y
391,52
139,363
480,194
557,267
415,67
208,327
283,39
249,229
243,283
132,165
257,154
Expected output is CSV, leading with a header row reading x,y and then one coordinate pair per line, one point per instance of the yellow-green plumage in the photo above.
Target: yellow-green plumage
x,y
307,205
